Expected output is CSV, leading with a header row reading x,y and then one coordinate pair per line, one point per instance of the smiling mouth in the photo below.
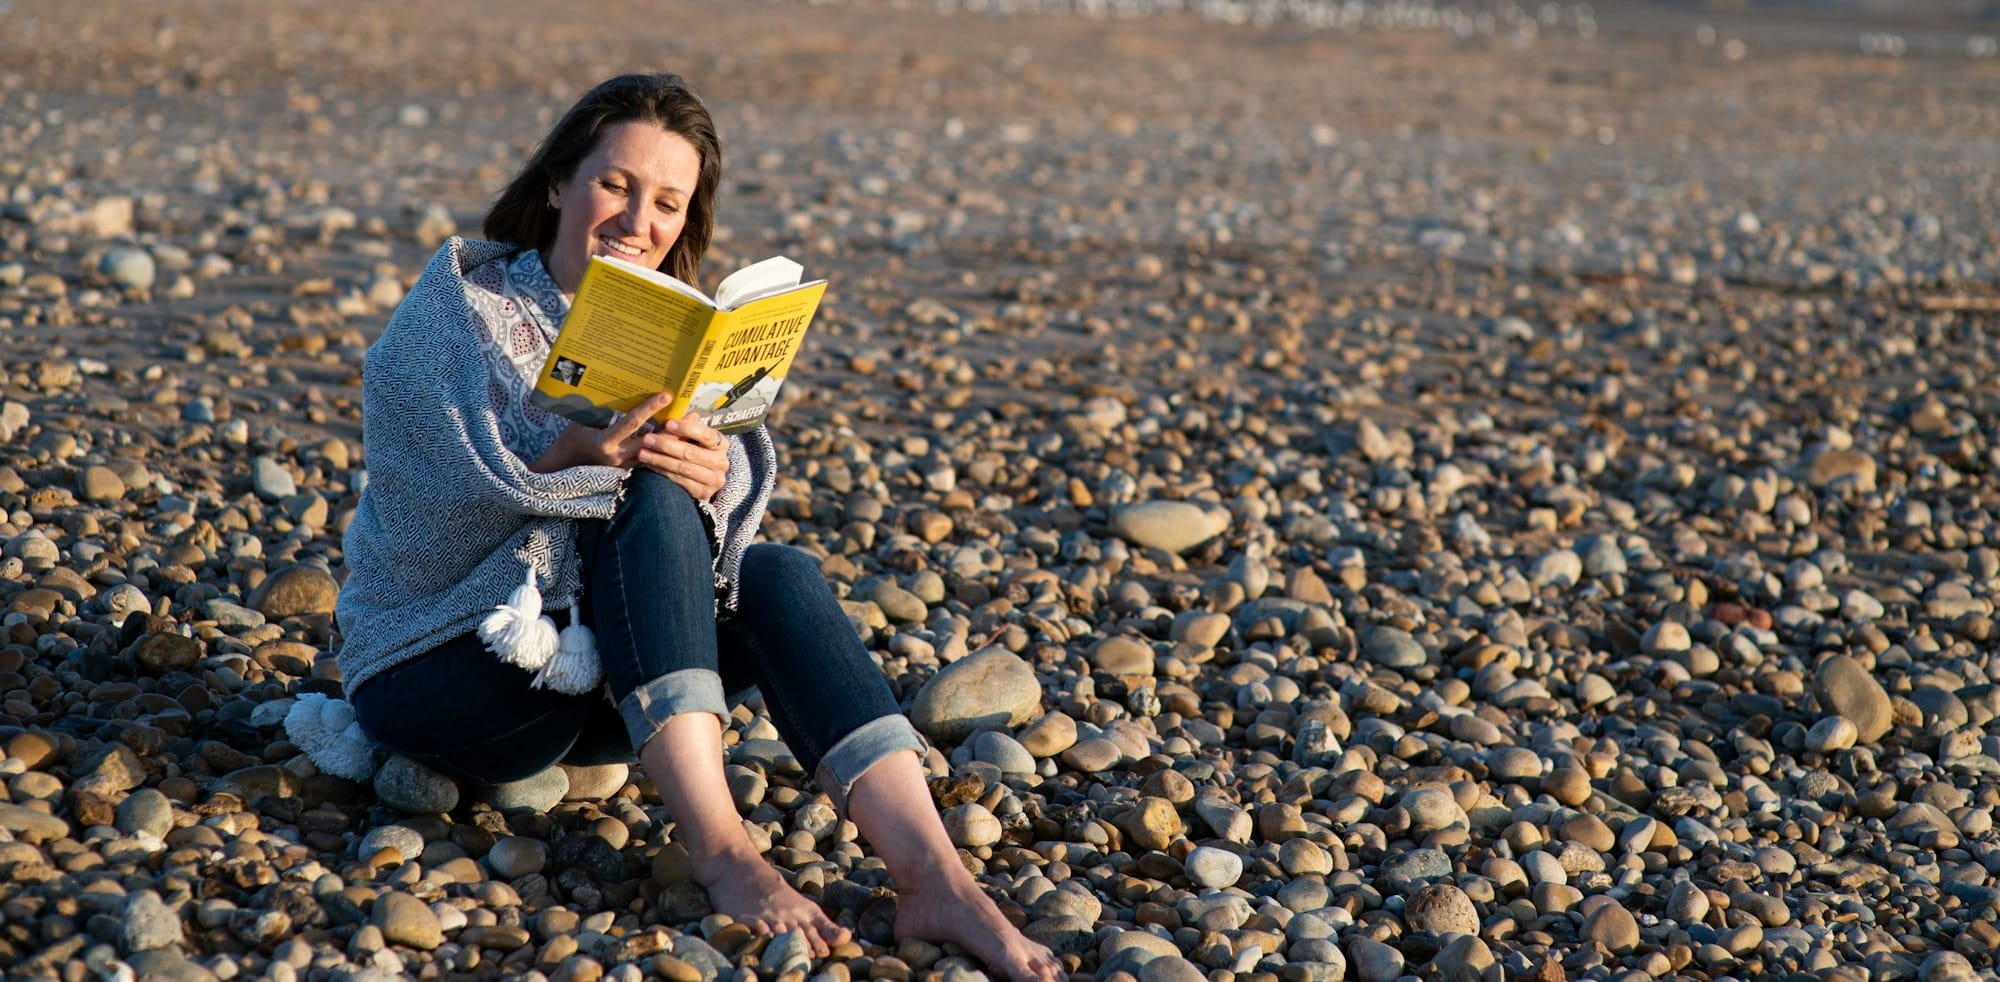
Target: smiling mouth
x,y
617,248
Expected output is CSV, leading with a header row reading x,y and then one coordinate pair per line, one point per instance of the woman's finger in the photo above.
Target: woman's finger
x,y
696,430
700,482
642,414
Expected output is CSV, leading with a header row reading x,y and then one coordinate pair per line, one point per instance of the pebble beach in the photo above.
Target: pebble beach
x,y
1364,490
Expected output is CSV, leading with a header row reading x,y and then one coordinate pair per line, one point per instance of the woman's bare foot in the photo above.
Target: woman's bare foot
x,y
745,887
952,908
684,759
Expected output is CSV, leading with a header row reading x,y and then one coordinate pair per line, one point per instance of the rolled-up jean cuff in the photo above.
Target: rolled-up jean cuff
x,y
859,751
690,690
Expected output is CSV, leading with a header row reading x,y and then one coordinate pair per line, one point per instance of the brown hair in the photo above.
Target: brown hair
x,y
521,215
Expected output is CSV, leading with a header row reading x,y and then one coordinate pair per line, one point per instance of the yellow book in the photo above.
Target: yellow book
x,y
633,332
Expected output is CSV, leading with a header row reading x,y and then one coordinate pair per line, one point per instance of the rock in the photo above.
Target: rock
x,y
230,617
124,600
1845,468
100,484
161,652
168,964
1061,935
1466,957
681,903
1172,526
1393,648
1946,966
433,225
1152,824
1214,868
1315,745
146,812
1594,690
409,786
1121,655
1832,733
1171,969
127,269
1431,809
1062,902
35,825
1602,557
271,480
1561,568
786,953
13,416
1688,904
1200,627
149,924
114,771
516,856
990,689
109,217
537,792
1374,961
1416,864
261,781
1665,638
1004,752
1612,926
405,840
1050,735
1093,756
1567,784
1441,908
595,783
1225,818
295,591
406,921
971,826
1844,688
899,605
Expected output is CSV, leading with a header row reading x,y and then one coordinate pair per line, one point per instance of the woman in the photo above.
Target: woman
x,y
641,531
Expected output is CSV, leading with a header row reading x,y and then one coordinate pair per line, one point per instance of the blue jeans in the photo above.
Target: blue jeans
x,y
650,596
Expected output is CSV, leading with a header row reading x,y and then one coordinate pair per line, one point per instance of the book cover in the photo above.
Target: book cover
x,y
632,332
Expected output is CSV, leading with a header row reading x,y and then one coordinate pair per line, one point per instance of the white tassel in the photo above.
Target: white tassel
x,y
575,668
517,631
326,730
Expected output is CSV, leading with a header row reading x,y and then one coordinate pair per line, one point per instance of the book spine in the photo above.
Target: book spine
x,y
694,371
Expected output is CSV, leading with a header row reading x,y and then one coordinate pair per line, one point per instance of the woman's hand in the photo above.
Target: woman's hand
x,y
689,453
617,445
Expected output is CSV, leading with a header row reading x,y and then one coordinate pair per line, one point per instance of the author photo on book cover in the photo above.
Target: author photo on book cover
x,y
568,371
524,590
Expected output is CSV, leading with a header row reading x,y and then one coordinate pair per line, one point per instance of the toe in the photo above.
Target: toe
x,y
1051,966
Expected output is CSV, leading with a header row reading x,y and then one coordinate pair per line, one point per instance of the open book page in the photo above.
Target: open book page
x,y
760,279
667,280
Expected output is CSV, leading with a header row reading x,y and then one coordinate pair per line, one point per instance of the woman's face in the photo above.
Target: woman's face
x,y
627,200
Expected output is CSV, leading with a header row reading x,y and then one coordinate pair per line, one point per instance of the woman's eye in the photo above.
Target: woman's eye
x,y
668,207
612,186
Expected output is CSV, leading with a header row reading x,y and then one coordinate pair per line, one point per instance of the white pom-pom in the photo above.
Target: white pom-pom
x,y
336,714
302,723
575,668
326,730
516,630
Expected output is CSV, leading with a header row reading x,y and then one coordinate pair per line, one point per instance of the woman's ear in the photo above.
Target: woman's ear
x,y
555,198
